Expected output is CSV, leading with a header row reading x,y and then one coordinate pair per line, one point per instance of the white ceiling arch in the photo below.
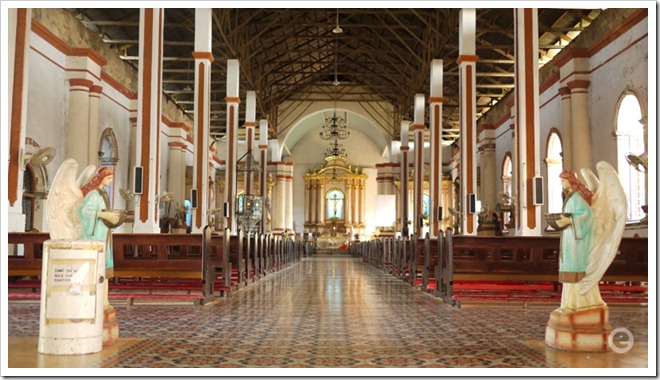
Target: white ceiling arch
x,y
313,121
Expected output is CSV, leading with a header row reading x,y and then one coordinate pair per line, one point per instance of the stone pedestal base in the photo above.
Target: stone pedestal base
x,y
110,326
486,228
584,330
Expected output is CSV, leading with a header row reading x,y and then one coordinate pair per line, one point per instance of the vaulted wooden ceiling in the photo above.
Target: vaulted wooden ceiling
x,y
380,55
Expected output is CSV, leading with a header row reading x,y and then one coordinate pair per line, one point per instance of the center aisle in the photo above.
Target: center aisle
x,y
336,311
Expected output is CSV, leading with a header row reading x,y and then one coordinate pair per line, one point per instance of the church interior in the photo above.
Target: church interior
x,y
313,190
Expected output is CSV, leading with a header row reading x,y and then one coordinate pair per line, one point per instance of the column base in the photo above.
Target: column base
x,y
583,330
110,326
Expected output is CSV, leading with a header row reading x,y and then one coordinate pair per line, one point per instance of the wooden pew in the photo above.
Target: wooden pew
x,y
182,262
531,263
32,245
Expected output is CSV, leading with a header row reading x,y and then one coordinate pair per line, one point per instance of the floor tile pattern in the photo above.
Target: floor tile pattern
x,y
334,312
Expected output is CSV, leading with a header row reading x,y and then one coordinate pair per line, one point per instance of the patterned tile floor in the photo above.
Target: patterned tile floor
x,y
328,313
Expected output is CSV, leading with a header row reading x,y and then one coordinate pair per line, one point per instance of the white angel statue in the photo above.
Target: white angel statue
x,y
80,208
591,234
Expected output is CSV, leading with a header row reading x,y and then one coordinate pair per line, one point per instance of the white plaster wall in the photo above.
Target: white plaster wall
x,y
503,145
371,191
114,113
47,108
47,98
550,116
622,64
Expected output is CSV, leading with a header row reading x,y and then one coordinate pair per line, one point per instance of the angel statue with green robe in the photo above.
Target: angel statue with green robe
x,y
593,222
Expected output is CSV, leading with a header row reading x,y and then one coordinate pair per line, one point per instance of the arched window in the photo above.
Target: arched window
x,y
630,140
555,165
507,187
108,157
334,204
507,174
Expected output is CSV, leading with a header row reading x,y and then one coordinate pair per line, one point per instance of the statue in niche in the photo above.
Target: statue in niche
x,y
592,224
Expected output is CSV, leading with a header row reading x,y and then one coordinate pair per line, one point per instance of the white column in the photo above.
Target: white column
x,y
418,179
130,205
93,149
566,132
348,215
202,104
149,118
78,122
313,184
489,173
435,121
263,162
250,125
467,61
308,201
527,117
176,177
580,131
19,47
84,73
320,203
362,205
233,76
280,200
404,177
288,219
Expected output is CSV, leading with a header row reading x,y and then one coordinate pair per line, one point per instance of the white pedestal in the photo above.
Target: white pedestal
x,y
72,277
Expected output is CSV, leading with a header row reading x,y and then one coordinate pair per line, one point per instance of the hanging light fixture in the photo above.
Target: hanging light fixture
x,y
336,150
334,127
337,29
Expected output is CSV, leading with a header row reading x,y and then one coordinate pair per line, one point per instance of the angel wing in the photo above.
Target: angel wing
x,y
609,209
590,178
64,198
86,175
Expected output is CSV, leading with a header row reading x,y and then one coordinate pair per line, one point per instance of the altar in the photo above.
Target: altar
x,y
334,202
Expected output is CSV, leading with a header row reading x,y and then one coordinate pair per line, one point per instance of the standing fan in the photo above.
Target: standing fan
x,y
41,156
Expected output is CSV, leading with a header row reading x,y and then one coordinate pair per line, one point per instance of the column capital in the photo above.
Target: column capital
x,y
437,99
81,82
564,91
467,58
232,99
572,85
203,55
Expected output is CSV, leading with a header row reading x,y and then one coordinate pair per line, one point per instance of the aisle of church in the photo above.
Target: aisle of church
x,y
326,312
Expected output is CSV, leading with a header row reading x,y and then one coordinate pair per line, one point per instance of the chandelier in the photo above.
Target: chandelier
x,y
336,150
334,127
